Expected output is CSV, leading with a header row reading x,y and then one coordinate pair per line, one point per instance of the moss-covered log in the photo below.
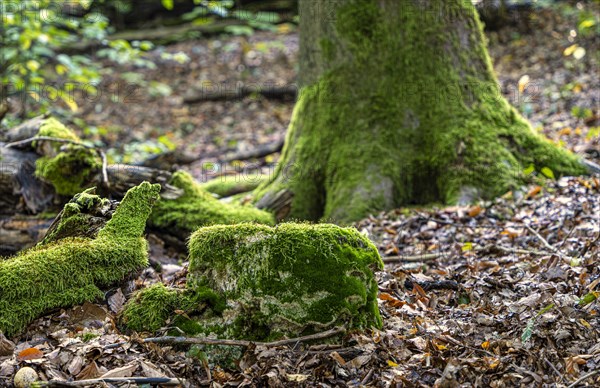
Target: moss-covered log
x,y
64,270
196,207
290,280
400,105
42,173
228,185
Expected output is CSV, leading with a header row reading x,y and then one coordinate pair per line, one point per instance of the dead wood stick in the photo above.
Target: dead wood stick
x,y
556,251
542,239
281,92
412,259
584,377
243,343
487,248
114,380
167,160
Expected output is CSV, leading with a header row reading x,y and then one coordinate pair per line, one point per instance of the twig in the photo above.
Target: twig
x,y
591,166
69,141
226,342
367,377
437,255
282,92
244,343
411,259
46,138
587,246
542,239
554,369
114,380
518,250
584,377
556,251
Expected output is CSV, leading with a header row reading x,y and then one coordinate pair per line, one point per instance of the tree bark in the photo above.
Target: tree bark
x,y
399,106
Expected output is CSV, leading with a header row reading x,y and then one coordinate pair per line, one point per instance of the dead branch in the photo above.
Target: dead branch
x,y
283,92
114,380
242,343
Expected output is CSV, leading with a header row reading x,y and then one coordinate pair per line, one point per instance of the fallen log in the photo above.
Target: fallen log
x,y
46,164
169,159
21,232
288,92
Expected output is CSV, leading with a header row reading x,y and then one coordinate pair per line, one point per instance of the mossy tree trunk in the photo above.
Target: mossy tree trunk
x,y
400,105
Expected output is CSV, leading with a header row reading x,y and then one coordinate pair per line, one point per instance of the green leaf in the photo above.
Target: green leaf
x,y
528,331
548,173
589,298
468,246
164,139
529,170
168,4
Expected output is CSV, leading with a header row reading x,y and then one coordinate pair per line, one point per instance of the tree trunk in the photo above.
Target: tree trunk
x,y
399,106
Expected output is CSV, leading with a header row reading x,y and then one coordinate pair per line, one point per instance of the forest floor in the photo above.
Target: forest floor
x,y
503,293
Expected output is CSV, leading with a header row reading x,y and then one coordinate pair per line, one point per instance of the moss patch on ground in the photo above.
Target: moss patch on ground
x,y
152,307
197,207
72,270
289,280
68,167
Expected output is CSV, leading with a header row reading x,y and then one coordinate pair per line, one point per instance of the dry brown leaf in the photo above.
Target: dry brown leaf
x,y
91,371
474,211
124,371
7,347
339,359
30,354
533,192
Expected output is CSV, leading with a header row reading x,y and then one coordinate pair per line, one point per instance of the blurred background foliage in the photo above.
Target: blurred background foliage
x,y
53,52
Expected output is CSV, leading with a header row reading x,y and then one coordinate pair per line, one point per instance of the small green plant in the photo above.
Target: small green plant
x,y
87,336
527,333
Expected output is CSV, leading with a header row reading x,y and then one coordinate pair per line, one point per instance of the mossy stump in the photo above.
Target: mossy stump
x,y
66,271
270,282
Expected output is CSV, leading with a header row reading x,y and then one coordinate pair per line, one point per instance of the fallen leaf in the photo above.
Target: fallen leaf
x,y
30,354
474,211
124,371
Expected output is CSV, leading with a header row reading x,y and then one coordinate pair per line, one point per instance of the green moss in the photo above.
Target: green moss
x,y
196,208
408,113
262,283
229,185
70,170
71,271
51,127
152,307
292,279
67,167
79,217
